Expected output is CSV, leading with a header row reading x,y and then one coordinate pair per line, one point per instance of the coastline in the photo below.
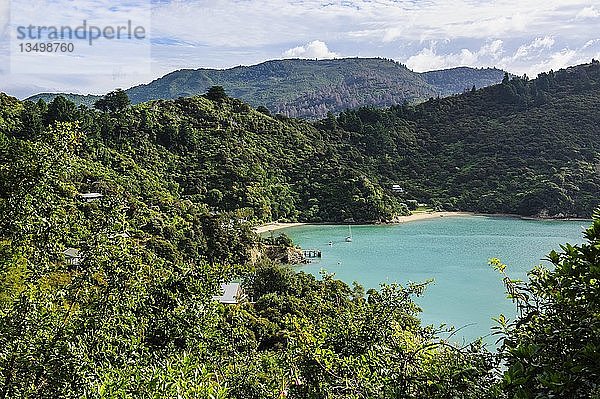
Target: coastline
x,y
274,226
429,215
265,228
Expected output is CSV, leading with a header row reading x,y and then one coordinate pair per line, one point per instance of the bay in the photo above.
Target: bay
x,y
454,251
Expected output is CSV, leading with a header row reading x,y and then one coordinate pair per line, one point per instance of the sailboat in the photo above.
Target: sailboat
x,y
349,238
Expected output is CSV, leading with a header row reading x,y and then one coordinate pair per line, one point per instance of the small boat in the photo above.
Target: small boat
x,y
349,238
330,243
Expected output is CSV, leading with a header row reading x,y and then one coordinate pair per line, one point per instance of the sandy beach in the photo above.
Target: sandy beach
x,y
429,215
265,228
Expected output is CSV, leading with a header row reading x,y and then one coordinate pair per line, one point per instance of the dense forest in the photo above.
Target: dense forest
x,y
176,187
310,88
525,146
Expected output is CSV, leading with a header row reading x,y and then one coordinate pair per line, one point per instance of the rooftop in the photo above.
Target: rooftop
x,y
71,253
231,293
88,196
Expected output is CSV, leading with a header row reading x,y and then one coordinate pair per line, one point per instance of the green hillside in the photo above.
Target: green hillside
x,y
523,147
457,80
231,157
309,88
529,147
79,99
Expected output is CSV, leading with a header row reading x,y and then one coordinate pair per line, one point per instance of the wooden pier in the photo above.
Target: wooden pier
x,y
311,253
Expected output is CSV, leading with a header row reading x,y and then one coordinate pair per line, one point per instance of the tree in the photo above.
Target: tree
x,y
331,122
32,124
553,348
61,110
114,101
264,110
216,93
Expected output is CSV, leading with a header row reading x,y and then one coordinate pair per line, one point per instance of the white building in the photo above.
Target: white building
x,y
73,256
89,197
231,294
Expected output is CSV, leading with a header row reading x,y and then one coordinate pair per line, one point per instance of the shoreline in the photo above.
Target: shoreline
x,y
265,228
415,217
274,226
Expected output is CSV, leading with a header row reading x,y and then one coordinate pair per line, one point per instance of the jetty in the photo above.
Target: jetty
x,y
311,253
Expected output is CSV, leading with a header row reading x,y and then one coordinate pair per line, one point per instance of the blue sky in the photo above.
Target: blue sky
x,y
522,37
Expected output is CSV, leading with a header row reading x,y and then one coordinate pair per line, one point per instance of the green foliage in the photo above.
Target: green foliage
x,y
282,240
553,348
61,110
13,271
216,93
343,344
134,316
526,146
182,181
87,100
263,110
114,101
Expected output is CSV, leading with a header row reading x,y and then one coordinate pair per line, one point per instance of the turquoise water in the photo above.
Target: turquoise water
x,y
454,251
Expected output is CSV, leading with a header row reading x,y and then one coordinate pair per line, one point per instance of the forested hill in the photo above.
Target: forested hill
x,y
526,147
457,80
216,152
309,88
530,147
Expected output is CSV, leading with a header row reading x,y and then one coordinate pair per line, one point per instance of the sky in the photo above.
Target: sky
x,y
524,37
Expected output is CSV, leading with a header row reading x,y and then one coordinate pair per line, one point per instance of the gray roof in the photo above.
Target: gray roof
x,y
91,195
72,253
231,293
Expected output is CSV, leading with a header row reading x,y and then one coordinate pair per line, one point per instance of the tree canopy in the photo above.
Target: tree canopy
x,y
114,101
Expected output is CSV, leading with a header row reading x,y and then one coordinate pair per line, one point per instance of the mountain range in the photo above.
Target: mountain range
x,y
311,88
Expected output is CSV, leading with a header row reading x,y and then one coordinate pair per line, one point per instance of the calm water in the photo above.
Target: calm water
x,y
452,251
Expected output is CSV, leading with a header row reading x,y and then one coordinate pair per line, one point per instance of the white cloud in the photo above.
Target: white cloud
x,y
225,33
426,60
429,59
591,43
314,49
557,60
545,58
4,15
537,45
494,49
588,12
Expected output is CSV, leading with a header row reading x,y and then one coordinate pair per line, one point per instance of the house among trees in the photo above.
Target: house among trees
x,y
397,188
231,294
89,197
73,256
120,235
